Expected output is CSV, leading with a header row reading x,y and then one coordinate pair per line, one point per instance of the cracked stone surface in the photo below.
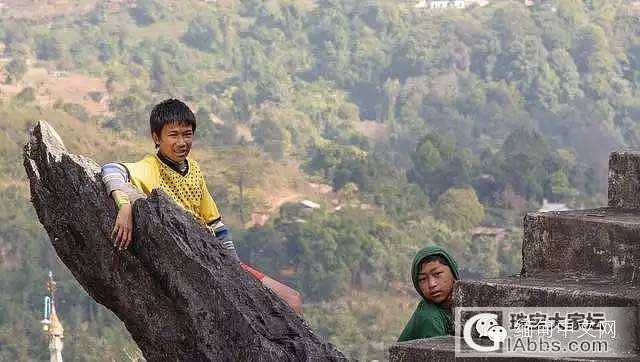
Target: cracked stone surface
x,y
546,290
624,180
603,242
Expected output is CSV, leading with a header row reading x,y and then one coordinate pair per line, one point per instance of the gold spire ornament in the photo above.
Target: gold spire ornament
x,y
51,323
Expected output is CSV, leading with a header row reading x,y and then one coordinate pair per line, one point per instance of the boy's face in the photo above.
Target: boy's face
x,y
175,140
436,281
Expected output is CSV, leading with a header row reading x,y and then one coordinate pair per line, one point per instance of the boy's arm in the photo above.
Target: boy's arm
x,y
223,236
210,213
114,177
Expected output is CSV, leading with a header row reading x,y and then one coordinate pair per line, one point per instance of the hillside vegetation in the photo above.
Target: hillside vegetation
x,y
423,124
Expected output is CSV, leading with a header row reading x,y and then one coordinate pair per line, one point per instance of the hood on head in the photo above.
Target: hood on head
x,y
429,251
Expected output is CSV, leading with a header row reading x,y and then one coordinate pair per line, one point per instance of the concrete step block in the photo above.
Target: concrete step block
x,y
604,242
442,349
546,290
624,180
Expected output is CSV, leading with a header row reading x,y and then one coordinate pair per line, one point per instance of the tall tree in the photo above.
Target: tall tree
x,y
460,209
438,165
16,69
48,47
203,32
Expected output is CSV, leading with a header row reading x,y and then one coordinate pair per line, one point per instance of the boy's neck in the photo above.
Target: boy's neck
x,y
449,302
180,167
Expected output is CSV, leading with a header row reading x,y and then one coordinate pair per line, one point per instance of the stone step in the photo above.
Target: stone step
x,y
624,180
546,290
442,349
604,242
551,291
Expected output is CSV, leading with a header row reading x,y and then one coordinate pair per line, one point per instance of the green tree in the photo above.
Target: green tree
x,y
325,159
545,89
331,250
521,61
245,172
274,139
401,200
27,95
107,49
591,40
161,74
97,15
206,128
526,162
460,209
281,131
203,32
567,71
242,105
147,12
329,37
391,92
15,69
438,164
48,47
561,187
16,35
129,112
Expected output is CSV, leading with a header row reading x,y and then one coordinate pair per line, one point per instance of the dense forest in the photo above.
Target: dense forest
x,y
405,126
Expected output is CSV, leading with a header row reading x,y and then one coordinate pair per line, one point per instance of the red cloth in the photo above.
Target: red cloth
x,y
256,274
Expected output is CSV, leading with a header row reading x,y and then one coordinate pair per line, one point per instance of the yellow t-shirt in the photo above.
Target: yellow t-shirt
x,y
189,191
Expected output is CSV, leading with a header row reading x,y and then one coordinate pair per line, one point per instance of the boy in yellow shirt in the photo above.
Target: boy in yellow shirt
x,y
173,126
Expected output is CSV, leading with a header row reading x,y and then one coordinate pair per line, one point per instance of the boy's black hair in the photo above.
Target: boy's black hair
x,y
170,111
436,257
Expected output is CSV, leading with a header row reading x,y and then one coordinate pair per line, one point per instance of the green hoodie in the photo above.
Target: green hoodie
x,y
429,319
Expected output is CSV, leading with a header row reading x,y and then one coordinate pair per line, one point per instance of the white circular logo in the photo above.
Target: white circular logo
x,y
486,325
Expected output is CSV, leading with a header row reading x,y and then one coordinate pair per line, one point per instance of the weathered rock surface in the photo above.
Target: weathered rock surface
x,y
546,291
604,242
624,180
179,296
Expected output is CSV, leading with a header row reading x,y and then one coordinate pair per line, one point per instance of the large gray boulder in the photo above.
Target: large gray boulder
x,y
177,294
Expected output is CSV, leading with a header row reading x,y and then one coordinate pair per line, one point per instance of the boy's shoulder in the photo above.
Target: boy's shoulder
x,y
148,166
149,160
192,161
193,164
431,313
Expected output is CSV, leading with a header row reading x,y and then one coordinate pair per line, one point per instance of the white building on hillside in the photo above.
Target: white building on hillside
x,y
550,206
440,4
449,4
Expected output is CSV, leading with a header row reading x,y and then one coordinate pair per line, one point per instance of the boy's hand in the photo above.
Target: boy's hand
x,y
122,234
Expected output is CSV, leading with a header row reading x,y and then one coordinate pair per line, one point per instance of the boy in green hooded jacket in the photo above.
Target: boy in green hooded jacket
x,y
433,273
